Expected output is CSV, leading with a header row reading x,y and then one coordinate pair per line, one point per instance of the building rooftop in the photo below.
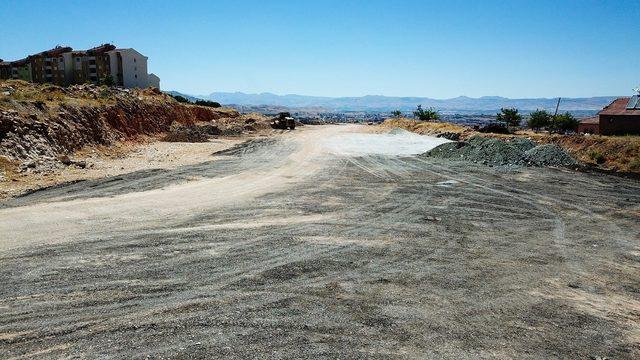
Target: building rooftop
x,y
620,107
53,52
101,49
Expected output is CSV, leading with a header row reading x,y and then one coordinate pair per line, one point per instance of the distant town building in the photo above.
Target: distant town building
x,y
622,116
65,66
154,81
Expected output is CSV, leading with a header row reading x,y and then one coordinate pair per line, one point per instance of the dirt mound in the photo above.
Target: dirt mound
x,y
495,152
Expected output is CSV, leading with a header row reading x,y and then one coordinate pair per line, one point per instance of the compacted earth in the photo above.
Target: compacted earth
x,y
323,243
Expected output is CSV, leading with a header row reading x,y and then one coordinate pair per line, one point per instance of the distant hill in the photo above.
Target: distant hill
x,y
189,97
386,103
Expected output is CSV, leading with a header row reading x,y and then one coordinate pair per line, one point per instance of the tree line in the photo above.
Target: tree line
x,y
511,117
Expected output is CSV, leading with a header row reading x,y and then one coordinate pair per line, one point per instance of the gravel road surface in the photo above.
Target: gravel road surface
x,y
287,247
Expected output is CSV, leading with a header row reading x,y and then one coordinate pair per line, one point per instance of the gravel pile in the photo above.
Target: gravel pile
x,y
549,155
494,152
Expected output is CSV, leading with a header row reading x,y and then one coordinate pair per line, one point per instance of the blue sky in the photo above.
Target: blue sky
x,y
438,49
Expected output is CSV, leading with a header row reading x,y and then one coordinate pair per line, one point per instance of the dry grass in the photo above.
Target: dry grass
x,y
425,127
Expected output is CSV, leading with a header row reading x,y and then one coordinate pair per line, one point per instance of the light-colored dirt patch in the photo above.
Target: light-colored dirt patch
x,y
120,159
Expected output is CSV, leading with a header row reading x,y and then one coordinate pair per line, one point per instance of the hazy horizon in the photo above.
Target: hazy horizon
x,y
434,49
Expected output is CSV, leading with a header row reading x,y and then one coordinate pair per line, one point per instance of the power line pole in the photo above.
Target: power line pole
x,y
557,106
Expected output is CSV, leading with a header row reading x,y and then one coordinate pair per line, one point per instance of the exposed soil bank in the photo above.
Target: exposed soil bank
x,y
39,121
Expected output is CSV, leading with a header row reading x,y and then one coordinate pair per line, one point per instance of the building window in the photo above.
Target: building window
x,y
136,76
134,59
77,59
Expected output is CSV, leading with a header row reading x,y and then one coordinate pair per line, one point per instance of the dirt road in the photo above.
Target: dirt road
x,y
324,244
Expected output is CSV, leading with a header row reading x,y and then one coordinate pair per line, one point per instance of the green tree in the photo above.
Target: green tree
x,y
426,114
539,119
396,113
181,99
107,80
509,116
565,122
208,103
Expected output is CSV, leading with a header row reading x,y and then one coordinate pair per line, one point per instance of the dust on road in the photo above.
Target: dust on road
x,y
289,248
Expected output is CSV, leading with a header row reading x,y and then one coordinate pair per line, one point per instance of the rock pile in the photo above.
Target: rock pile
x,y
494,152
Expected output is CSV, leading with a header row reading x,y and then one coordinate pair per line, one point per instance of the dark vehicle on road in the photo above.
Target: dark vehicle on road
x,y
283,121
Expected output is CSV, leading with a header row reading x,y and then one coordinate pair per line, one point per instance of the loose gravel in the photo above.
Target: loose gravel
x,y
495,152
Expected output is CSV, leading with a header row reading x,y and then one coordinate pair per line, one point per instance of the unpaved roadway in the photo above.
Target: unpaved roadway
x,y
298,247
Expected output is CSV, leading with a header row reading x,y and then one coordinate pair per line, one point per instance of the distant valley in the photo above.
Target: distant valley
x,y
388,103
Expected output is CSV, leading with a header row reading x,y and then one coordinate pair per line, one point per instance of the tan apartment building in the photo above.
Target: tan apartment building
x,y
64,66
45,66
91,65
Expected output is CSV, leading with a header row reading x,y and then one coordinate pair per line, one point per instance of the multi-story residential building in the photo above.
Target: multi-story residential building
x,y
21,69
5,69
64,66
129,68
91,65
45,66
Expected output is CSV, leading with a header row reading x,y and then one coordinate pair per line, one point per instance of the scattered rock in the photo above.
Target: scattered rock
x,y
65,160
190,133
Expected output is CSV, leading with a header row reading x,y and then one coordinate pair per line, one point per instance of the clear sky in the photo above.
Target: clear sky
x,y
440,49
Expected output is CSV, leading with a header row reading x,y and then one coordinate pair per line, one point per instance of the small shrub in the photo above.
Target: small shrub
x,y
396,114
539,119
208,103
107,81
597,157
565,122
509,116
181,99
426,114
496,128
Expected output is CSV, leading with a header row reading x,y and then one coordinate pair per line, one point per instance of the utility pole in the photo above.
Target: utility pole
x,y
557,106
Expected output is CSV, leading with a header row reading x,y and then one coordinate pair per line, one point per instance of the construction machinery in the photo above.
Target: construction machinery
x,y
283,121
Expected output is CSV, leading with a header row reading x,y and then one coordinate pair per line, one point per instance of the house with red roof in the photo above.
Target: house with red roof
x,y
620,117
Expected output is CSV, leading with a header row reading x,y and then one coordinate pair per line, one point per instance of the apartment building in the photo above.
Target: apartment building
x,y
45,67
129,68
84,66
65,66
19,69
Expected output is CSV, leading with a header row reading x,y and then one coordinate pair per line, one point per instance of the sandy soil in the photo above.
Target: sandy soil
x,y
285,248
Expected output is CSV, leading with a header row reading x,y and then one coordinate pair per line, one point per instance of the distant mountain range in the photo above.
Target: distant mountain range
x,y
386,103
